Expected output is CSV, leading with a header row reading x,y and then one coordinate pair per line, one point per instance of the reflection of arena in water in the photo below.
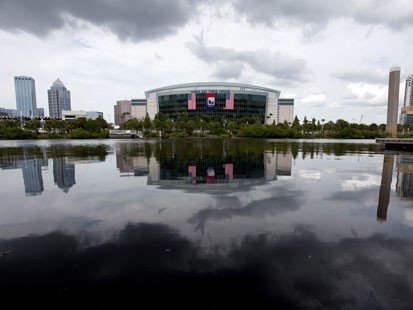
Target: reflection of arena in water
x,y
220,173
198,168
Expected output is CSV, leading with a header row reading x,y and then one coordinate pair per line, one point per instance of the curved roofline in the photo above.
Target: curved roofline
x,y
198,84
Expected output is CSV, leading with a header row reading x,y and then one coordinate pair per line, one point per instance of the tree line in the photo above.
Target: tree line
x,y
197,126
185,126
80,128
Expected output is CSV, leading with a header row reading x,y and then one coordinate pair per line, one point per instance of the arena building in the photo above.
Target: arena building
x,y
230,100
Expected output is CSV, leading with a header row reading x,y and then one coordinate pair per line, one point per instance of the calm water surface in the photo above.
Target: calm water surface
x,y
206,224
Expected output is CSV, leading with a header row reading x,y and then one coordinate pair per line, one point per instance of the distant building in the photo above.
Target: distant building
x,y
40,112
285,110
70,115
59,99
224,99
3,112
128,109
123,111
227,100
138,108
406,114
408,93
25,89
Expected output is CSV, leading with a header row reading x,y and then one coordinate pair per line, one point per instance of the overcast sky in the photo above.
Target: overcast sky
x,y
332,57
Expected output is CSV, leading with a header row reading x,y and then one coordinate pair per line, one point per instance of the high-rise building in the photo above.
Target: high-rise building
x,y
408,93
285,110
59,99
123,111
25,96
406,114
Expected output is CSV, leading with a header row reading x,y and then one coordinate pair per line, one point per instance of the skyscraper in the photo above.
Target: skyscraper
x,y
25,96
408,93
406,113
59,99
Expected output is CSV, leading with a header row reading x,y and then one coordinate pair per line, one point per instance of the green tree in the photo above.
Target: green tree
x,y
9,124
33,124
147,122
296,123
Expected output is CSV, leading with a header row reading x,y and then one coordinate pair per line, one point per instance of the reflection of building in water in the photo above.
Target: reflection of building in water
x,y
31,165
384,194
32,176
284,162
64,174
128,164
404,185
218,173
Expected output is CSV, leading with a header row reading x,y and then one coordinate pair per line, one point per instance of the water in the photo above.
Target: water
x,y
209,224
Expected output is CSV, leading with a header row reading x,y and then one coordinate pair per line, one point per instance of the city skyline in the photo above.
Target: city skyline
x,y
333,59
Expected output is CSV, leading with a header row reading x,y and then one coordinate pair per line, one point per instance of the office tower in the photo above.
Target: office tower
x,y
393,102
408,94
25,96
406,113
59,99
123,111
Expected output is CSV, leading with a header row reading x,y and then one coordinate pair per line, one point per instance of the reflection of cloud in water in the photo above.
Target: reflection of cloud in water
x,y
229,207
356,197
310,174
408,216
152,264
360,181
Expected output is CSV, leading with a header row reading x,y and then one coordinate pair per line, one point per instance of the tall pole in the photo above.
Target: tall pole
x,y
393,102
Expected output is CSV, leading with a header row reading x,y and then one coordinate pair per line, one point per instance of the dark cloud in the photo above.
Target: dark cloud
x,y
278,65
394,14
153,266
128,19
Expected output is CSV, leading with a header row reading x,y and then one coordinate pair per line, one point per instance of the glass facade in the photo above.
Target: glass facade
x,y
25,96
242,168
244,105
59,99
408,119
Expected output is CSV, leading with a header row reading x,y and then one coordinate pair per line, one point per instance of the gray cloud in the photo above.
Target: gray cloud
x,y
229,70
394,14
128,19
278,65
361,76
